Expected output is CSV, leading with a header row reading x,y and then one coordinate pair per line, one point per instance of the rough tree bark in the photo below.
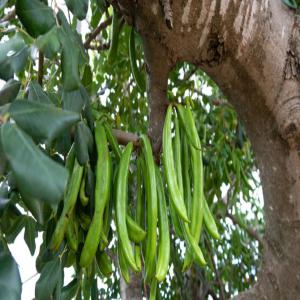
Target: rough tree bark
x,y
251,49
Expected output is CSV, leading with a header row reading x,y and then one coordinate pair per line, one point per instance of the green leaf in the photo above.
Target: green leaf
x,y
40,210
291,3
35,16
36,174
79,8
42,121
3,161
73,54
49,43
69,291
15,229
10,281
83,142
3,204
73,101
13,56
69,64
37,94
30,234
48,280
87,79
59,285
9,91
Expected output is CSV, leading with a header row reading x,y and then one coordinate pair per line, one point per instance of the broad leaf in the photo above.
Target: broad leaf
x,y
69,64
4,199
74,37
36,174
73,54
49,43
48,280
83,142
36,17
87,79
37,94
40,210
30,234
79,8
73,101
9,91
15,229
3,204
10,281
58,289
3,161
13,56
69,291
41,121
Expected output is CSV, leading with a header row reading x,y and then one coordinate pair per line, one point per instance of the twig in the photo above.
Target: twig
x,y
124,137
251,232
214,101
187,76
9,16
93,34
31,277
41,68
219,279
100,47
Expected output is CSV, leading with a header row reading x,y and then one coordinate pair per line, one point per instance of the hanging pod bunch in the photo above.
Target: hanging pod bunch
x,y
145,202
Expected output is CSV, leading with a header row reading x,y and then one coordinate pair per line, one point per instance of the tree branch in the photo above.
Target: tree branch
x,y
100,47
9,16
124,137
251,232
216,271
41,68
94,34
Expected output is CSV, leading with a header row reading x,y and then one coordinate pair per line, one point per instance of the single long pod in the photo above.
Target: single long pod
x,y
151,196
139,211
188,123
168,160
102,193
121,205
163,259
69,204
137,74
123,266
135,232
210,223
177,155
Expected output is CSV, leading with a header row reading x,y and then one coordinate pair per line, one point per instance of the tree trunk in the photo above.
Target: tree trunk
x,y
251,49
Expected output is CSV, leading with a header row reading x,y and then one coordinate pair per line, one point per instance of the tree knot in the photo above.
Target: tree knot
x,y
287,114
215,51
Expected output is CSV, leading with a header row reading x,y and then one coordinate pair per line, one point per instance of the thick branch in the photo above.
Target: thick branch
x,y
94,34
125,137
